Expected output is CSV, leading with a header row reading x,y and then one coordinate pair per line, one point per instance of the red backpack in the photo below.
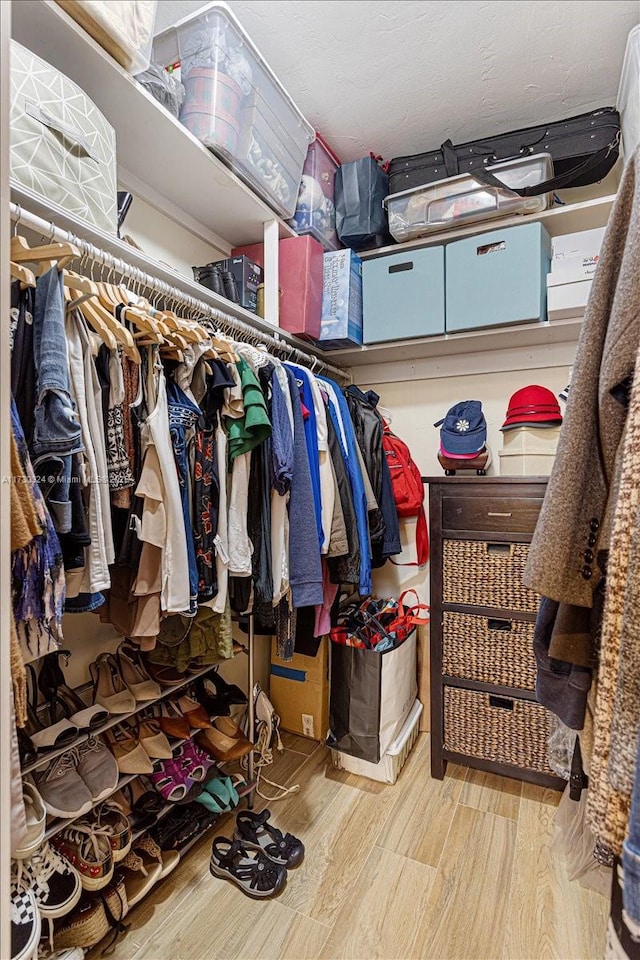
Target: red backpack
x,y
408,490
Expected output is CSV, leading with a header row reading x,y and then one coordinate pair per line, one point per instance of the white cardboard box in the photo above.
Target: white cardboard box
x,y
577,253
514,464
566,297
531,440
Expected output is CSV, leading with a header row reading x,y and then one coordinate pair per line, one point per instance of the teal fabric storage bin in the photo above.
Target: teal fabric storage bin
x,y
403,295
498,278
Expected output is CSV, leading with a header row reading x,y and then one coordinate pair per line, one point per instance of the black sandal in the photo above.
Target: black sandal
x,y
255,832
256,875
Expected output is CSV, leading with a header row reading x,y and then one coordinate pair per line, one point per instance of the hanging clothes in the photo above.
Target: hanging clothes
x,y
304,379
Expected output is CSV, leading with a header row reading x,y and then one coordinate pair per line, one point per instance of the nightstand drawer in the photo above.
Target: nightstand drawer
x,y
503,514
488,649
486,574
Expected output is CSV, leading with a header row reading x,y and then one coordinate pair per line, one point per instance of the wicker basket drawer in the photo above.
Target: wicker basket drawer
x,y
489,650
485,574
496,728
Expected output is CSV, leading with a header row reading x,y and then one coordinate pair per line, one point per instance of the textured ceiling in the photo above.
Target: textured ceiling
x,y
400,76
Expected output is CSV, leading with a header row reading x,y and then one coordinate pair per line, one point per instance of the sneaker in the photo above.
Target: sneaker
x,y
255,832
256,875
52,880
64,792
110,819
25,922
36,818
98,767
88,848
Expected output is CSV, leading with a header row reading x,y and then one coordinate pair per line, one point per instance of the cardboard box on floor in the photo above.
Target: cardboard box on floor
x,y
299,691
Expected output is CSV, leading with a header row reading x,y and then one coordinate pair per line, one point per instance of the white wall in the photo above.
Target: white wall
x,y
415,406
167,241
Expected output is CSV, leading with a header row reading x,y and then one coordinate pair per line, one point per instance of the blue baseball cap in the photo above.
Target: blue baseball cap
x,y
464,428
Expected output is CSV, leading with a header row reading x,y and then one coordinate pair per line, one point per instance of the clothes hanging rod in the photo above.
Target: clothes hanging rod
x,y
146,283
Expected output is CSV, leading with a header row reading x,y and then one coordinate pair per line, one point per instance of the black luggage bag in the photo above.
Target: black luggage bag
x,y
583,150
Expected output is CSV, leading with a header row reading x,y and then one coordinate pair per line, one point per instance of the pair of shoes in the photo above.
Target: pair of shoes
x,y
87,847
263,874
52,880
182,825
135,747
217,696
145,865
219,795
97,917
77,780
175,779
177,718
60,696
225,740
36,816
38,737
122,681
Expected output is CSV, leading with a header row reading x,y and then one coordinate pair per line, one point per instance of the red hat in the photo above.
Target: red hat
x,y
532,406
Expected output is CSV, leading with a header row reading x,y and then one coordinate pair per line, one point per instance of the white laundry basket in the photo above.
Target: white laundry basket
x,y
390,765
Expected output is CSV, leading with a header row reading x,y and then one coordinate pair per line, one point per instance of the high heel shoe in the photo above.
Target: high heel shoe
x,y
215,705
229,691
172,722
222,747
53,686
109,688
25,747
135,675
130,755
154,740
194,713
59,734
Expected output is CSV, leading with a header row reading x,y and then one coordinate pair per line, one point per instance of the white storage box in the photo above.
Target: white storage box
x,y
566,298
62,149
236,105
124,28
628,103
531,440
576,255
514,464
390,765
458,200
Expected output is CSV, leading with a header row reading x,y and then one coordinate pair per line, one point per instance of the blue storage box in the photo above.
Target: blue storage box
x,y
403,295
341,300
498,278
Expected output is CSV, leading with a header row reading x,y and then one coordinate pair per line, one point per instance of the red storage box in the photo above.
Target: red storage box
x,y
300,281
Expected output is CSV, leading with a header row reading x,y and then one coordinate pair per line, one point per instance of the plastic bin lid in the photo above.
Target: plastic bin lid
x,y
629,68
217,6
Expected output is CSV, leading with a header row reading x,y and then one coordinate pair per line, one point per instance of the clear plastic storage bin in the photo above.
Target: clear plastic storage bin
x,y
123,28
628,103
457,200
236,105
315,211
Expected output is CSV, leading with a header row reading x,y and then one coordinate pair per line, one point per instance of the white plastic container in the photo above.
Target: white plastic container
x,y
628,102
390,765
576,255
236,105
514,464
525,440
458,200
567,295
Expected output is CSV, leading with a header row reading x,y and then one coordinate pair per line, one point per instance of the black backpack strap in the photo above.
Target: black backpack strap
x,y
555,183
450,158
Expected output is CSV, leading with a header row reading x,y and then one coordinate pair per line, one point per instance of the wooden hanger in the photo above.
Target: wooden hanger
x,y
23,274
60,253
95,322
97,314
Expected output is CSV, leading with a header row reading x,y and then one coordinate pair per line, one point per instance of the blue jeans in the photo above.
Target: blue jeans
x,y
56,432
183,415
631,852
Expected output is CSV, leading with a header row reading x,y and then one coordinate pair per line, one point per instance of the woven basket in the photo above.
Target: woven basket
x,y
477,724
493,651
487,575
85,927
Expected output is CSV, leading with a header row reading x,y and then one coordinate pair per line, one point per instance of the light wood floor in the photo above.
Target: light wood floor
x,y
441,870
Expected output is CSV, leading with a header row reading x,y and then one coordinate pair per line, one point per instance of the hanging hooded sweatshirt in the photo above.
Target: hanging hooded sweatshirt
x,y
311,436
342,421
305,569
